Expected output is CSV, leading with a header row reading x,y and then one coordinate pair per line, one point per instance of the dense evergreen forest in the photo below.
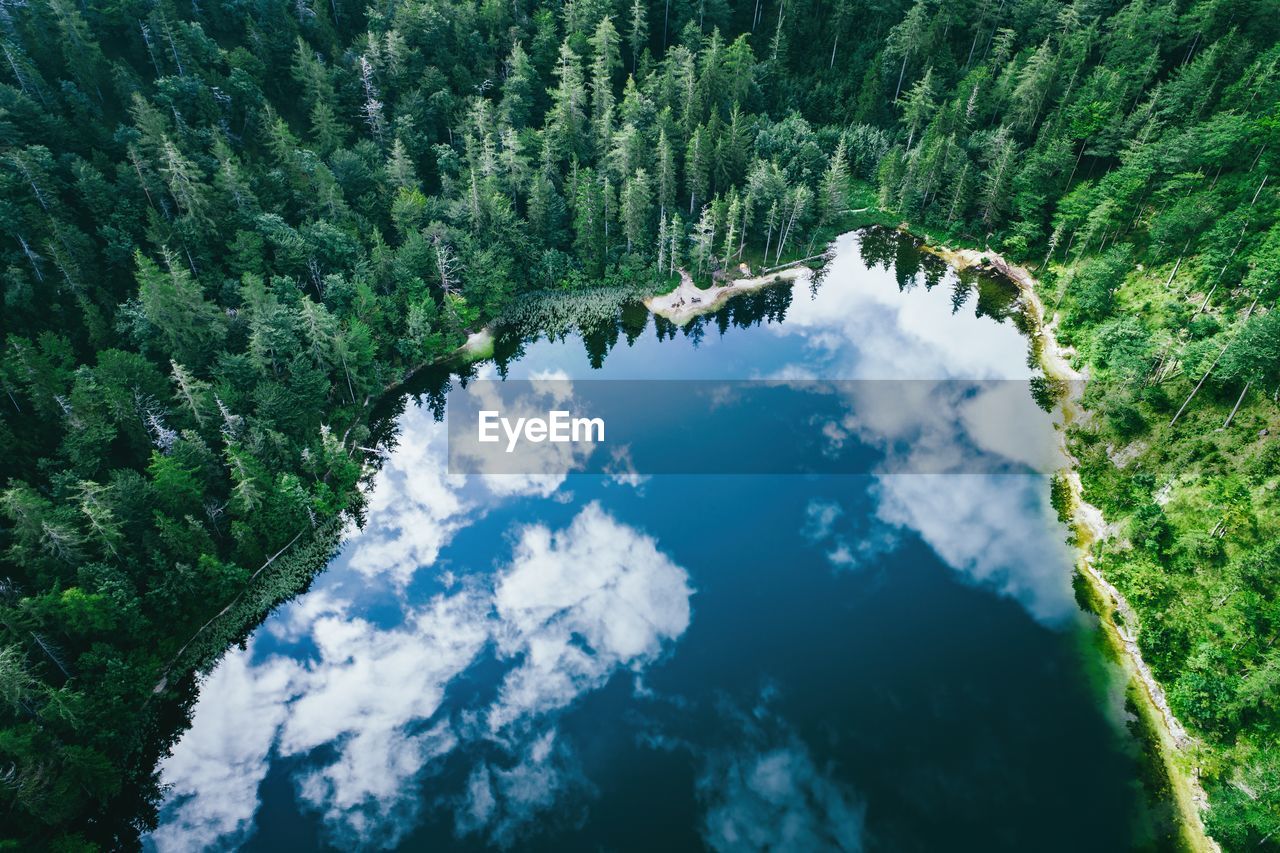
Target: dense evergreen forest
x,y
227,228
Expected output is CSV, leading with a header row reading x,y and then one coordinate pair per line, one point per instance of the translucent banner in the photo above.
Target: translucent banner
x,y
645,427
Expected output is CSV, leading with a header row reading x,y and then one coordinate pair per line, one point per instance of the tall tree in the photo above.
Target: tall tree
x,y
636,209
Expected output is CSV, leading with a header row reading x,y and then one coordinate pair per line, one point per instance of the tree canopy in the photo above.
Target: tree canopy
x,y
229,229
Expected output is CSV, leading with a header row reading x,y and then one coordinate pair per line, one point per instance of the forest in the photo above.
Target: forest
x,y
229,229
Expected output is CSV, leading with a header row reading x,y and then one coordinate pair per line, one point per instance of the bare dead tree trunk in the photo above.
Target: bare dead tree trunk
x,y
1259,190
1257,157
972,46
1231,416
1178,264
1196,390
901,72
1223,271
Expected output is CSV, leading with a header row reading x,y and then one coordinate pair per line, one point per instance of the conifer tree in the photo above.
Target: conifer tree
x,y
636,203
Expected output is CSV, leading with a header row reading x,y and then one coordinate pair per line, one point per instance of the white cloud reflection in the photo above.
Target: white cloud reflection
x,y
577,605
572,608
501,803
941,437
217,767
366,716
858,325
996,531
945,445
845,544
534,468
362,696
416,506
769,794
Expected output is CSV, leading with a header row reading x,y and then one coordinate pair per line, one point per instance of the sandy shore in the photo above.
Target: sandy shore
x,y
688,300
1092,526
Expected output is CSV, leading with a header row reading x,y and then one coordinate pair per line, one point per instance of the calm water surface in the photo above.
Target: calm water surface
x,y
618,662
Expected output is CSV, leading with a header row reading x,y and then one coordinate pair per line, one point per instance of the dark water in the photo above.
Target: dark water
x,y
880,662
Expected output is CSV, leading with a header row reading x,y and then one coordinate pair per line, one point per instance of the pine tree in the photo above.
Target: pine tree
x,y
770,223
190,391
590,212
309,73
399,168
959,195
605,60
664,242
702,241
186,186
698,167
325,129
512,162
905,40
231,179
666,174
675,257
1034,81
568,104
636,205
732,216
1000,154
628,152
918,106
519,89
638,34
793,214
832,197
732,150
172,302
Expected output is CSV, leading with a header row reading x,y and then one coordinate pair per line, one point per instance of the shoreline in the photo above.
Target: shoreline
x,y
477,347
1171,738
687,300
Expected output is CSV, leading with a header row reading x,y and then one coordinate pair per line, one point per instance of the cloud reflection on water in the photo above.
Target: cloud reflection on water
x,y
368,711
993,529
768,793
859,325
500,803
997,531
577,605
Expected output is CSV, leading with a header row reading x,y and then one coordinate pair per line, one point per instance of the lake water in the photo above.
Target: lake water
x,y
885,661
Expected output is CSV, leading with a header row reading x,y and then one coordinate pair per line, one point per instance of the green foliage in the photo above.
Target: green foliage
x,y
1254,352
1092,286
219,251
1061,498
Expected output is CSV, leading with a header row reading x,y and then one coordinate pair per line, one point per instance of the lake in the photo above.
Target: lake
x,y
890,658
